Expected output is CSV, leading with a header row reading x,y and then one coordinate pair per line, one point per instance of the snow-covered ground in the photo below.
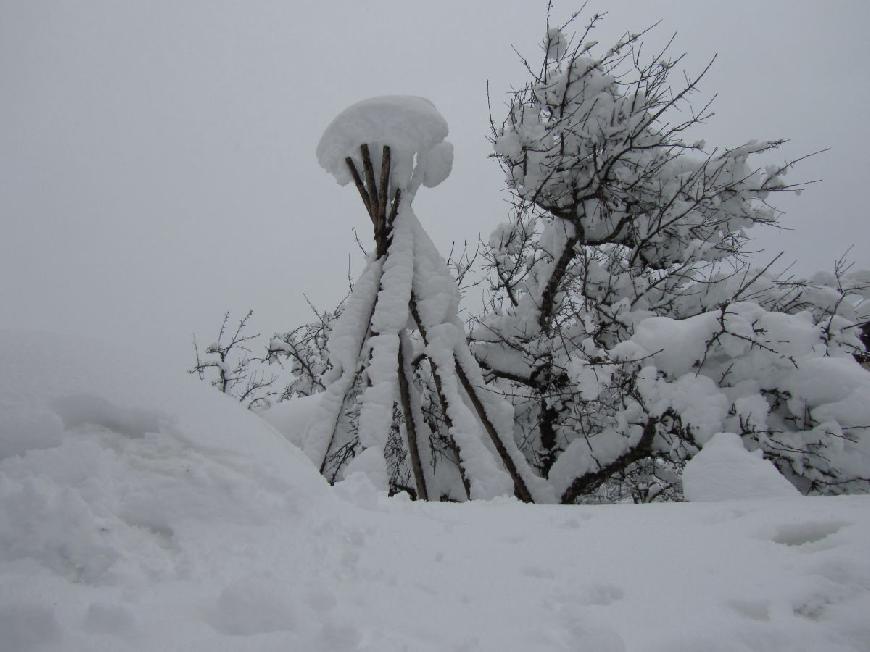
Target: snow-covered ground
x,y
143,511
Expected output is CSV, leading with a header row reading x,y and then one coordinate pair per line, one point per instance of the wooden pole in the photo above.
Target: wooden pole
x,y
359,184
442,399
521,491
410,424
375,199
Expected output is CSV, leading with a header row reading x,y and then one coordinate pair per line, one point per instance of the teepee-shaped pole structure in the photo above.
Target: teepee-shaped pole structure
x,y
376,197
404,308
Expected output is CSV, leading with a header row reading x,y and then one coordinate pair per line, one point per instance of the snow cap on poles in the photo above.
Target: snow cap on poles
x,y
411,126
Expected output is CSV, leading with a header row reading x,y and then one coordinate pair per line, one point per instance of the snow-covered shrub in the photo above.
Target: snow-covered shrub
x,y
291,365
303,352
229,365
624,322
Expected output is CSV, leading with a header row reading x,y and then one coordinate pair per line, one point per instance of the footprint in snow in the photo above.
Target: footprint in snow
x,y
574,522
601,595
27,627
538,572
800,534
758,610
251,606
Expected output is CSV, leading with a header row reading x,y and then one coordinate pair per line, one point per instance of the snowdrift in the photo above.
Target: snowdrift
x,y
142,510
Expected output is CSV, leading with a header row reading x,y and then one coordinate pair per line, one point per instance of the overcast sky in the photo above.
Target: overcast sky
x,y
157,157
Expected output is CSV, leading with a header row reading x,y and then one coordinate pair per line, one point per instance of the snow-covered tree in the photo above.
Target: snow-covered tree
x,y
624,321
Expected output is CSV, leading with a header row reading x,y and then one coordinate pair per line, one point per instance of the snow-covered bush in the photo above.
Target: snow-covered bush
x,y
303,353
229,365
624,322
291,365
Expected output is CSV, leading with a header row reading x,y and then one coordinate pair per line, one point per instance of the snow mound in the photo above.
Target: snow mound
x,y
725,470
293,418
411,126
104,464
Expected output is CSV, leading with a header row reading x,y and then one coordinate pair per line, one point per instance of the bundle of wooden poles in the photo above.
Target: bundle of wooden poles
x,y
383,207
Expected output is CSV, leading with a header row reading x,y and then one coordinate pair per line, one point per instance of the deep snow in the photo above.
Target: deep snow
x,y
144,511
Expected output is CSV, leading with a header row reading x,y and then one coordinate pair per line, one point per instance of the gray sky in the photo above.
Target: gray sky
x,y
157,158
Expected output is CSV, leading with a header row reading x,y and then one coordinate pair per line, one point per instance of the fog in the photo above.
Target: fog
x,y
157,159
